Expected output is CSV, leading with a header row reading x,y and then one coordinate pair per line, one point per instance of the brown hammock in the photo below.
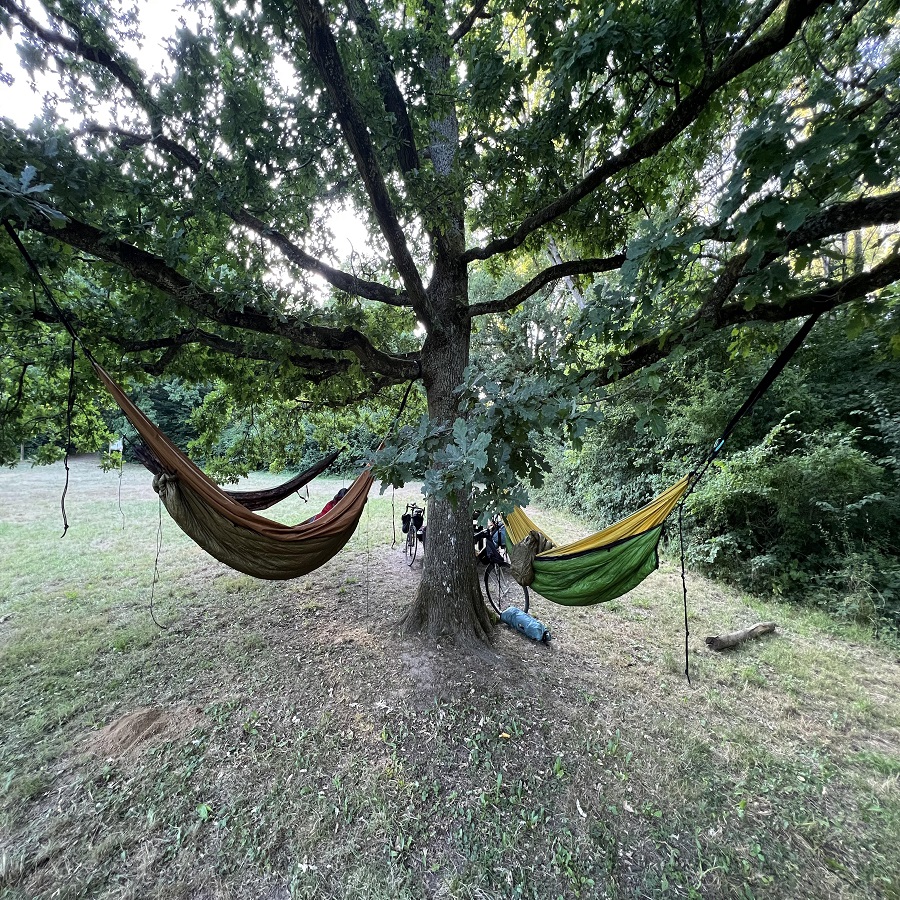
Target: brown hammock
x,y
255,500
263,499
229,531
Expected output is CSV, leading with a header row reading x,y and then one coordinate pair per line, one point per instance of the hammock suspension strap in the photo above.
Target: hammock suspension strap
x,y
765,383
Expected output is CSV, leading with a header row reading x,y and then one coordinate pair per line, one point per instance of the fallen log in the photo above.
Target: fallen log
x,y
725,641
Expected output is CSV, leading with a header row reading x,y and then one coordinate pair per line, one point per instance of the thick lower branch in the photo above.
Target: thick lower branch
x,y
343,281
831,296
154,271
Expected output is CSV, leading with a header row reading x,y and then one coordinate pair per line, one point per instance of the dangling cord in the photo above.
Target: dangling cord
x,y
393,519
121,472
156,568
70,408
687,673
368,530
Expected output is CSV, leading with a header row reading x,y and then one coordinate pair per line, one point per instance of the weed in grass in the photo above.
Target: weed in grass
x,y
672,662
752,676
881,763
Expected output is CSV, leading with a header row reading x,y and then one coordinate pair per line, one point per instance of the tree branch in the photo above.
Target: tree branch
x,y
324,53
552,273
839,218
468,22
681,117
154,271
764,15
704,37
832,295
343,281
407,156
725,283
321,366
124,74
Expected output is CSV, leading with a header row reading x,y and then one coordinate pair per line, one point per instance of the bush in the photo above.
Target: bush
x,y
807,515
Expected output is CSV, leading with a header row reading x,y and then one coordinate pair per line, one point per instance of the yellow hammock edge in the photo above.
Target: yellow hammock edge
x,y
654,513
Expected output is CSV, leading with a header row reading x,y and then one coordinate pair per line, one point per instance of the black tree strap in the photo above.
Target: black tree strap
x,y
412,381
765,383
70,399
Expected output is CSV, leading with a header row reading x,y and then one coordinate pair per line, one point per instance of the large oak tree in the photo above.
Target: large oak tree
x,y
684,166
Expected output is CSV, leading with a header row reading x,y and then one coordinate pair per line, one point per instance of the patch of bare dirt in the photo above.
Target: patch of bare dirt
x,y
142,728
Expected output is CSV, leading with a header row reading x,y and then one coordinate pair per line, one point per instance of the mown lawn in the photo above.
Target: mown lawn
x,y
278,740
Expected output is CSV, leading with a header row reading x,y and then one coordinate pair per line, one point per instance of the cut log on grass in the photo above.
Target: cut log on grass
x,y
725,641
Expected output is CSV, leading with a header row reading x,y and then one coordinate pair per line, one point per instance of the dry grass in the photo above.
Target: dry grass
x,y
331,759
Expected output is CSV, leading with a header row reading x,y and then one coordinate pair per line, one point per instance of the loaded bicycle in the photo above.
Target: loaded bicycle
x,y
413,526
501,589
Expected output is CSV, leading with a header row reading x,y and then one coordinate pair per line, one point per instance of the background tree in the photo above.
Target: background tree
x,y
694,159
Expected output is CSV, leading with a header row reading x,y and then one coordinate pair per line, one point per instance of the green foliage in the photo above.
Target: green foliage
x,y
799,512
34,396
20,198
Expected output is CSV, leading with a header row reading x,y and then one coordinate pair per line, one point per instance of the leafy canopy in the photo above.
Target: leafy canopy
x,y
692,166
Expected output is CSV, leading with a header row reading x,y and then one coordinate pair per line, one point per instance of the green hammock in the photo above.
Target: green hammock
x,y
612,562
604,565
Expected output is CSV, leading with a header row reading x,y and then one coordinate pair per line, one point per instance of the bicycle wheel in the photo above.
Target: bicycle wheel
x,y
502,590
412,545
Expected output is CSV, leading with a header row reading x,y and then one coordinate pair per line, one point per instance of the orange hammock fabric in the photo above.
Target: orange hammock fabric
x,y
229,531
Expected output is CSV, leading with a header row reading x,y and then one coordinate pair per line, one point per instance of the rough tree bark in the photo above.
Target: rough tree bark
x,y
733,638
448,604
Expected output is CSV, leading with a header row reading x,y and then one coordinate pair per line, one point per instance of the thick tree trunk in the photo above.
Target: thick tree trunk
x,y
449,605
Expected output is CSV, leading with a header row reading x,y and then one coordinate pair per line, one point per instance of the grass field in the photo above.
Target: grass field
x,y
278,740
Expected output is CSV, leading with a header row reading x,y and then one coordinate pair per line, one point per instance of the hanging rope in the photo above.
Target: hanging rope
x,y
687,673
394,424
368,530
70,409
156,568
64,319
121,473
